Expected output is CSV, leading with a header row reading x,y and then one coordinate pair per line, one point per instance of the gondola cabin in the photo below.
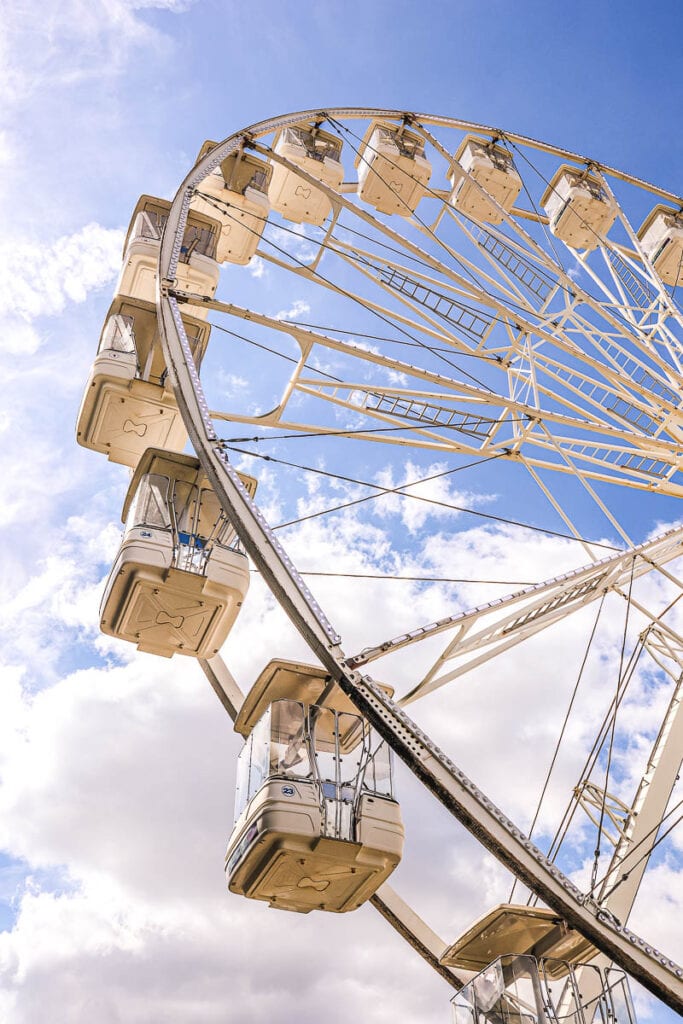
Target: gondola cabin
x,y
179,578
316,152
197,270
128,405
518,989
236,195
661,238
490,174
316,823
393,172
579,210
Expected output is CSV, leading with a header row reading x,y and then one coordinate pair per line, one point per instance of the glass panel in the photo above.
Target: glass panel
x,y
324,727
289,753
185,510
463,1014
566,994
349,753
317,146
241,172
488,988
201,240
259,761
339,742
508,991
581,994
406,143
149,506
149,224
619,997
328,148
379,775
294,137
259,181
118,335
242,778
212,524
383,137
191,555
352,732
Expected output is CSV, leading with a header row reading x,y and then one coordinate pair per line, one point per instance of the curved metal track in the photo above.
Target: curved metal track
x,y
438,773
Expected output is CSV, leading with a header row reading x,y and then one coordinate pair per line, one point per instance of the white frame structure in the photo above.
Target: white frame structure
x,y
589,365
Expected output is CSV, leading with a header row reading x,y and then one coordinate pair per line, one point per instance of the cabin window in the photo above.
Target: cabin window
x,y
318,146
149,224
150,504
378,774
118,334
289,750
340,742
242,777
406,144
186,509
336,750
510,982
259,181
197,240
199,524
253,764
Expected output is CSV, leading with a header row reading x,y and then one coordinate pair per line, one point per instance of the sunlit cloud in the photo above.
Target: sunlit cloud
x,y
39,280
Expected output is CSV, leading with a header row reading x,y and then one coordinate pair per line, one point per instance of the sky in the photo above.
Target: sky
x,y
117,768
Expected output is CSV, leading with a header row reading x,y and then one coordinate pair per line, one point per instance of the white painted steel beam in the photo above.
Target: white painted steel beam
x,y
488,630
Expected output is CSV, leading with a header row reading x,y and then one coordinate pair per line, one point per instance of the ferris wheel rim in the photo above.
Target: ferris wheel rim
x,y
267,125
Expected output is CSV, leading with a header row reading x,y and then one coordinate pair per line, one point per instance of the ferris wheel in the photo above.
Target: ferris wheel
x,y
478,328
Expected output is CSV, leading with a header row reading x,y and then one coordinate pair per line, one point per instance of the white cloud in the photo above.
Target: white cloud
x,y
19,337
297,309
232,384
399,379
174,6
7,148
414,508
294,239
39,280
143,830
126,774
257,267
80,41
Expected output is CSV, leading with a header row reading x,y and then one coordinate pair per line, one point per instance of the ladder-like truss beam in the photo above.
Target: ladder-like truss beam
x,y
488,630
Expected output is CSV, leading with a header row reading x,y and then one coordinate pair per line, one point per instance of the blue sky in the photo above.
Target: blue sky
x,y
116,768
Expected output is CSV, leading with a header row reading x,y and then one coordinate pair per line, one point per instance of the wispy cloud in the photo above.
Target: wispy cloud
x,y
74,41
257,267
38,280
297,309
